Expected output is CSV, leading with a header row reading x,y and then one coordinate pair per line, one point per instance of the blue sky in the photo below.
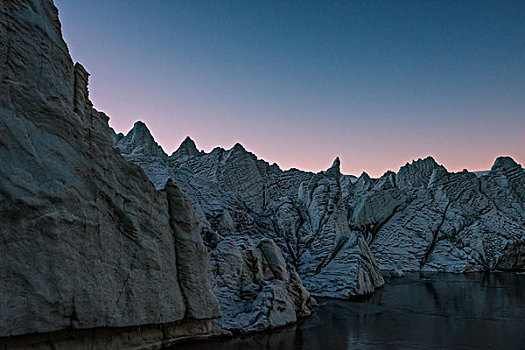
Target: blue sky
x,y
300,82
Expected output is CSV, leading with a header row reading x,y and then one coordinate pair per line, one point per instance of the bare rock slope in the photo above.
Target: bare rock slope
x,y
426,219
92,255
332,227
239,196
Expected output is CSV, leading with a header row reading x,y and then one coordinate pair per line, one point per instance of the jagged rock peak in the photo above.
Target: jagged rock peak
x,y
336,163
139,125
238,150
505,163
139,141
428,161
364,178
186,148
334,170
388,180
417,173
238,147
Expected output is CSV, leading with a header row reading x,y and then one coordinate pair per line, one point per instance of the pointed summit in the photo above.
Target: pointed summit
x,y
139,141
418,173
386,181
186,149
363,182
140,133
335,168
364,176
238,147
336,163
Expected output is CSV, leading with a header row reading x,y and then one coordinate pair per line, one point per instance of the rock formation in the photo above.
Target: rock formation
x,y
97,252
241,196
328,224
255,288
92,254
426,219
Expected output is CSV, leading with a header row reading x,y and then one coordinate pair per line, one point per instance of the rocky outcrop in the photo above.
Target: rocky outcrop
x,y
192,261
421,218
255,288
139,143
303,213
427,219
187,149
86,242
417,174
32,51
81,102
332,260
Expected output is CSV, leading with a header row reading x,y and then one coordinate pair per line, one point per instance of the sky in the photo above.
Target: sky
x,y
377,83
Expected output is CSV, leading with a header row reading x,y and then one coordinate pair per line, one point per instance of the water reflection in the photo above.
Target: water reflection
x,y
427,311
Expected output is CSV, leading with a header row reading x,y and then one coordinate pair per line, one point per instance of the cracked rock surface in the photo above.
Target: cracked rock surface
x,y
425,218
255,288
420,218
97,252
239,196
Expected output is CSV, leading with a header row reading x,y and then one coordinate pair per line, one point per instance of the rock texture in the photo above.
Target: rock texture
x,y
331,228
86,241
97,252
426,219
255,288
241,196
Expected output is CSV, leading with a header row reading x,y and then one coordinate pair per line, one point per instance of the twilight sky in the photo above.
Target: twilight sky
x,y
301,82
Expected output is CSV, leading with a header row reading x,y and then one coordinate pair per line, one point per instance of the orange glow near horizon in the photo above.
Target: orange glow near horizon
x,y
311,151
298,83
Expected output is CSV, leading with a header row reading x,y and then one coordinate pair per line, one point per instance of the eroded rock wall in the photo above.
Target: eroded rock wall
x,y
86,241
240,196
427,219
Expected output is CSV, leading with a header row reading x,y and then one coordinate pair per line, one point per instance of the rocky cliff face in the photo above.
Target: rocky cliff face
x,y
96,252
240,196
86,239
425,218
332,227
92,254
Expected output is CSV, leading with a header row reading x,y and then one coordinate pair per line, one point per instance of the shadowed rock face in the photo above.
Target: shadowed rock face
x,y
333,260
255,288
86,240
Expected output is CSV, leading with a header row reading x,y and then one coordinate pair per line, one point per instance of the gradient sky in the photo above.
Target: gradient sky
x,y
301,82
